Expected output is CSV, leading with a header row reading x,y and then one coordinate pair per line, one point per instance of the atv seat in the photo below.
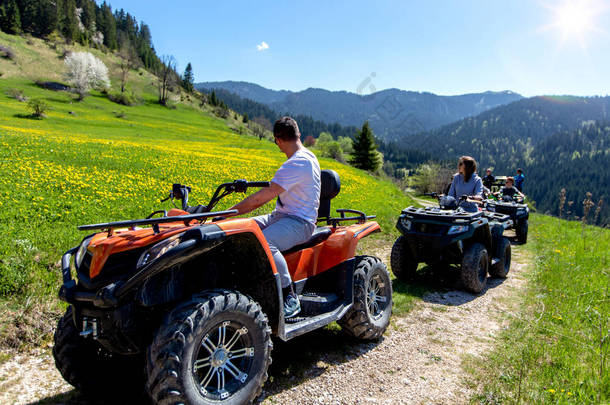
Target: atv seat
x,y
320,234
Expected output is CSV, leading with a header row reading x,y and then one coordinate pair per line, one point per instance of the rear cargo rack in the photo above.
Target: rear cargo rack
x,y
361,218
154,221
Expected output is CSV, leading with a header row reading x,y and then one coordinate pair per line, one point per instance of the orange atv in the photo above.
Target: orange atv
x,y
185,303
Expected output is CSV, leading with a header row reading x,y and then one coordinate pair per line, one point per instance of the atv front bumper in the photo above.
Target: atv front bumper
x,y
68,292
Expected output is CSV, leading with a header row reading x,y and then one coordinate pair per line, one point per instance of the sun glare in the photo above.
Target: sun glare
x,y
575,20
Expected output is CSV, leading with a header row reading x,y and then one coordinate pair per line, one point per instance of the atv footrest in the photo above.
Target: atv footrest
x,y
317,303
296,319
302,324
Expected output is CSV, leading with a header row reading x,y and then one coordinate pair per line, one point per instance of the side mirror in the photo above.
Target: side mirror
x,y
179,191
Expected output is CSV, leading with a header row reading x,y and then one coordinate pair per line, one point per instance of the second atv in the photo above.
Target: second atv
x,y
518,211
449,235
185,303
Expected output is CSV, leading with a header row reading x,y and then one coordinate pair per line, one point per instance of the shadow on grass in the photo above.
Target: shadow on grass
x,y
27,117
67,100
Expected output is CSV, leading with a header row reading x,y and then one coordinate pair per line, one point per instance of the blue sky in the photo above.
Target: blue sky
x,y
444,47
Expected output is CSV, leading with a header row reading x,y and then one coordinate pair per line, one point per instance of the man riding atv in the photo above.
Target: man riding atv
x,y
296,185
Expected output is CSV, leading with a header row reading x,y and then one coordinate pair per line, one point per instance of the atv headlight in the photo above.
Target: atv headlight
x,y
82,249
406,223
158,250
457,229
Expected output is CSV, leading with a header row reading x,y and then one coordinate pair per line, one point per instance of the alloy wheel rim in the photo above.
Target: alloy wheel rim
x,y
223,360
376,297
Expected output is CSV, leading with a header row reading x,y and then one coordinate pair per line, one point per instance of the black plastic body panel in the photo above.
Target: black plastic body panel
x,y
428,237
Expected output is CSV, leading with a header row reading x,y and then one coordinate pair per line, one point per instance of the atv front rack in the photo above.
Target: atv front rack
x,y
155,221
442,215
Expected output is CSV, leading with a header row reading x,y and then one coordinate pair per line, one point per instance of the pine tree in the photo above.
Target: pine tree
x,y
46,18
2,17
29,16
213,99
67,21
109,27
365,155
11,21
188,79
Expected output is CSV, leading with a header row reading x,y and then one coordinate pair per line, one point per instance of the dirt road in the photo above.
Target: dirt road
x,y
418,361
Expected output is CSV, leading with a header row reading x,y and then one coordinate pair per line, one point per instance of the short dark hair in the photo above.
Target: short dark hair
x,y
519,171
511,179
286,128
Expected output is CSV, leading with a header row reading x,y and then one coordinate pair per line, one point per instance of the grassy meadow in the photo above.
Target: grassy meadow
x,y
95,160
556,350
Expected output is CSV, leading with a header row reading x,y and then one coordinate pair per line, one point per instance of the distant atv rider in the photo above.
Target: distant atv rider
x,y
296,185
467,182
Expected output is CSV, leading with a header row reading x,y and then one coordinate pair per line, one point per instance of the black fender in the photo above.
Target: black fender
x,y
211,259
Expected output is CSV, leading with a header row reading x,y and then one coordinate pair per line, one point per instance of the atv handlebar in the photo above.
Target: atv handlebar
x,y
237,186
181,192
470,199
258,184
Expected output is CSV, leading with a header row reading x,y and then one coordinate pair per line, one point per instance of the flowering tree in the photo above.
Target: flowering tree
x,y
85,72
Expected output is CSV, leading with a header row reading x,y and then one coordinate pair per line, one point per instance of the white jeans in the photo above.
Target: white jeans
x,y
283,232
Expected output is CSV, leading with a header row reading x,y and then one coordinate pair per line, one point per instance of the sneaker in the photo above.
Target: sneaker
x,y
292,306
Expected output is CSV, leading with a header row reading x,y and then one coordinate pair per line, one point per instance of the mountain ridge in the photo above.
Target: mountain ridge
x,y
392,112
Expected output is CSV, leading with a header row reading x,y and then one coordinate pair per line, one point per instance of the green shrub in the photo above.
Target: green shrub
x,y
38,107
16,94
13,276
125,98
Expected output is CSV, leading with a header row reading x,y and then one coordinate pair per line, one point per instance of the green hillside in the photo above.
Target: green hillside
x,y
555,351
95,160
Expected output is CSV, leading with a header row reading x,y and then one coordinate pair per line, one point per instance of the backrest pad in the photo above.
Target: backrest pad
x,y
329,188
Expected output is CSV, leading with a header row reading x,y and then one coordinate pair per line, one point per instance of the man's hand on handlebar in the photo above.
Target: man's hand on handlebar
x,y
258,199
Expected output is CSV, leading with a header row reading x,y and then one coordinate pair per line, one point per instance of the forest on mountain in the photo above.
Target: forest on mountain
x,y
504,138
395,156
578,162
391,112
82,21
307,125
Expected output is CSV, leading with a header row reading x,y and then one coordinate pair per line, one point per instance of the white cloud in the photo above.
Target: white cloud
x,y
262,46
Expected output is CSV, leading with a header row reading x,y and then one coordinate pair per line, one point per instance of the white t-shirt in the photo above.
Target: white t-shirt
x,y
299,176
